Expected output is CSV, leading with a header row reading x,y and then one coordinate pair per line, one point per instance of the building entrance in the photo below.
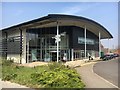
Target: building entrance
x,y
54,56
42,46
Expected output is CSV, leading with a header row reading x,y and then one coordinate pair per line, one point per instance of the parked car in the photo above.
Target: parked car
x,y
116,55
102,57
107,57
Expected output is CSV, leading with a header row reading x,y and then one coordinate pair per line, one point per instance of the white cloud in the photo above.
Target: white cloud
x,y
78,8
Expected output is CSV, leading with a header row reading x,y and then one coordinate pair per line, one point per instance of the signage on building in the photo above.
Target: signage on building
x,y
81,40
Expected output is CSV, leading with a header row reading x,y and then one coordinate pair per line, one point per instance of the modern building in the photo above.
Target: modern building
x,y
52,38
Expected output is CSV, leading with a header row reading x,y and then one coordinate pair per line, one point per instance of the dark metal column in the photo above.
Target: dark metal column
x,y
20,45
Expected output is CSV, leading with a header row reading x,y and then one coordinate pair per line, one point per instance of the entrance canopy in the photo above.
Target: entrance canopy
x,y
65,20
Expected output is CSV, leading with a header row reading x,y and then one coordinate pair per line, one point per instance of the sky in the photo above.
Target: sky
x,y
105,13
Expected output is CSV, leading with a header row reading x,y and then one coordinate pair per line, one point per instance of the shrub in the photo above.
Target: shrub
x,y
55,75
58,76
8,70
7,62
55,65
9,76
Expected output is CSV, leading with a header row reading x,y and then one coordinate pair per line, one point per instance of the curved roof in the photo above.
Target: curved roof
x,y
65,20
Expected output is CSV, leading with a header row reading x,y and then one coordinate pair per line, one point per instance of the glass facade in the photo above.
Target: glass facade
x,y
80,54
41,45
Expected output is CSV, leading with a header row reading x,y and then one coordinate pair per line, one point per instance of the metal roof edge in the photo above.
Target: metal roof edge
x,y
58,16
79,17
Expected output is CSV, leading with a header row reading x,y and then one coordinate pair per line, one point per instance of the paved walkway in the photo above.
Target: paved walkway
x,y
34,64
7,84
75,63
110,71
79,63
91,79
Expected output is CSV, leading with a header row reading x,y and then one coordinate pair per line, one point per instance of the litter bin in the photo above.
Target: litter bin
x,y
101,54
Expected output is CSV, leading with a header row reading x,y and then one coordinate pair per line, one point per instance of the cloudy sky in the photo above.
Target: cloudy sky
x,y
105,13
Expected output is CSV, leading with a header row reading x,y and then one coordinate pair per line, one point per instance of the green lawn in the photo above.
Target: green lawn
x,y
54,75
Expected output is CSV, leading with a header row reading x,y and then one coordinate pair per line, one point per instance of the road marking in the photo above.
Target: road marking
x,y
103,78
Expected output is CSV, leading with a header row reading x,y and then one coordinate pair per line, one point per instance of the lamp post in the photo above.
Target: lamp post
x,y
58,39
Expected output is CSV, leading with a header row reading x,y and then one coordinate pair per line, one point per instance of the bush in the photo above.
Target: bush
x,y
55,65
8,70
55,75
9,76
58,76
7,62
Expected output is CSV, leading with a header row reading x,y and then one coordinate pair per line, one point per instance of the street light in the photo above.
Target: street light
x,y
63,34
57,40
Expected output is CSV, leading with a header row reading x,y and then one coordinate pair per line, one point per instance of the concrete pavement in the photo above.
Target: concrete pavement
x,y
7,84
108,70
79,63
75,63
91,79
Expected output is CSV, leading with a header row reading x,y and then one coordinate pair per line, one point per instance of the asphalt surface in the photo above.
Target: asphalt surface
x,y
91,79
108,70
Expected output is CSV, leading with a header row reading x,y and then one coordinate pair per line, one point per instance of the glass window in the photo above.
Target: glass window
x,y
41,45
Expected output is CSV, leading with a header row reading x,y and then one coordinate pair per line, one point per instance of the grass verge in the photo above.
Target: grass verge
x,y
53,75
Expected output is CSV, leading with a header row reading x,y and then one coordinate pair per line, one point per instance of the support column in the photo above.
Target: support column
x,y
24,48
69,53
72,53
99,45
57,42
41,42
85,41
6,53
20,45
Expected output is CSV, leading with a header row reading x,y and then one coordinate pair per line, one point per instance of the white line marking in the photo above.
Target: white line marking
x,y
104,79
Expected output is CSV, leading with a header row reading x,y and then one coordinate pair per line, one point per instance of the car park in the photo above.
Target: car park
x,y
109,56
116,55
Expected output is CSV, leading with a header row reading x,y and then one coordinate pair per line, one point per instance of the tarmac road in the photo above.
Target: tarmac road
x,y
107,70
91,79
